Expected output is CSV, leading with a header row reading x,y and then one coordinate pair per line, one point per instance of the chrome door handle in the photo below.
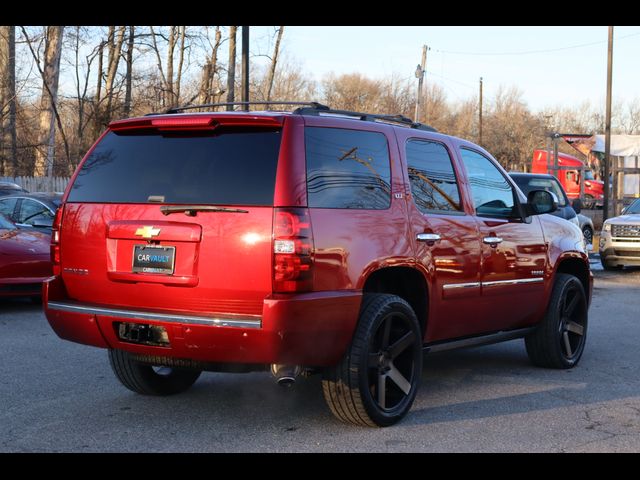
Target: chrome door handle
x,y
427,237
493,241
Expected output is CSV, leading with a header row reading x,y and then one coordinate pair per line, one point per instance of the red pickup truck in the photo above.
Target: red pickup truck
x,y
570,178
314,241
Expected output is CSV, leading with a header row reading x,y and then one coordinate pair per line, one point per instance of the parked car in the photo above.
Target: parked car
x,y
341,243
620,239
586,225
25,260
31,210
9,188
566,209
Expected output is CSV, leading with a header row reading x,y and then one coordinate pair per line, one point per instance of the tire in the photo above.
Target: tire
x,y
149,380
589,201
376,382
559,340
587,233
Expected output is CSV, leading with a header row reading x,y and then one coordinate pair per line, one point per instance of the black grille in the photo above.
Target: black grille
x,y
625,230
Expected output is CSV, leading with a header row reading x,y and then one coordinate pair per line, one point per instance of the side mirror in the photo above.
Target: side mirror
x,y
577,205
43,223
541,201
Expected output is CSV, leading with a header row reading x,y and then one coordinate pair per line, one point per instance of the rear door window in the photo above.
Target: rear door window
x,y
7,206
347,169
433,181
230,167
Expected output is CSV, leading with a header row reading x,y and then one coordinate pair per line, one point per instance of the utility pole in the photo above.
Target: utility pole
x,y
245,66
420,71
480,115
607,130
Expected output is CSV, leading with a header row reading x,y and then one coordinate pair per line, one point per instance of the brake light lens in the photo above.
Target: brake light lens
x,y
55,240
292,250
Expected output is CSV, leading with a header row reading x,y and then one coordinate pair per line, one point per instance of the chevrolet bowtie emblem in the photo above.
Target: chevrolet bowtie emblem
x,y
148,232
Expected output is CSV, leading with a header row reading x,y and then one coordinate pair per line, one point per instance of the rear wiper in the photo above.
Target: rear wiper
x,y
191,210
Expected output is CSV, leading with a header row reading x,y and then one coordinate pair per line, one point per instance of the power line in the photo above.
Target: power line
x,y
532,52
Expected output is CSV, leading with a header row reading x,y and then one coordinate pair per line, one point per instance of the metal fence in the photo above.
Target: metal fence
x,y
39,184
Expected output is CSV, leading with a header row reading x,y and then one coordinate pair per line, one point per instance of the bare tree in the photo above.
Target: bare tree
x,y
115,51
48,111
274,61
352,92
129,74
231,75
209,71
8,145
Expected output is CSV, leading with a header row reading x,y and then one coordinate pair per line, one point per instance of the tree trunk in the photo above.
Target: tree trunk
x,y
231,76
274,61
129,74
115,50
51,72
169,91
8,151
97,117
182,31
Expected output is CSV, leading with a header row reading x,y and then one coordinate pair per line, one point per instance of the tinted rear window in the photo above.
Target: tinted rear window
x,y
230,168
347,168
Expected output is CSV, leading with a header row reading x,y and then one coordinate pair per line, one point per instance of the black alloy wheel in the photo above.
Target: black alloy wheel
x,y
559,340
376,382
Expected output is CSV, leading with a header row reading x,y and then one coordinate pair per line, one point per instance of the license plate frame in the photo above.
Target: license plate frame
x,y
151,259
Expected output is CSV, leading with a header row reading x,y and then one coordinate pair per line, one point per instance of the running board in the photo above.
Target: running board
x,y
476,341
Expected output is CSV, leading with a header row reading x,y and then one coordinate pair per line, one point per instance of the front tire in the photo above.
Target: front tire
x,y
147,379
559,340
376,382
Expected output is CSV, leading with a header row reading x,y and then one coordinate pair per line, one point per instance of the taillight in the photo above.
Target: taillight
x,y
55,240
292,250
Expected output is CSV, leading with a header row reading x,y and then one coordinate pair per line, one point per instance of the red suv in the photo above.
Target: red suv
x,y
317,240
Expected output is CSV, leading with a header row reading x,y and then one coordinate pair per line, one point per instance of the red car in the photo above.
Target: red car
x,y
25,260
319,240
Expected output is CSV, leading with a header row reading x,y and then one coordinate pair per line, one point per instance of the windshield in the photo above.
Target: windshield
x,y
5,223
634,208
588,175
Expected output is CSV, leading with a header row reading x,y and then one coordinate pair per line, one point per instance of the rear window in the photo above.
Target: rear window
x,y
233,167
347,169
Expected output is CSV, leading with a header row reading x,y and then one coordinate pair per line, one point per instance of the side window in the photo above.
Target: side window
x,y
433,181
31,212
347,169
492,195
7,205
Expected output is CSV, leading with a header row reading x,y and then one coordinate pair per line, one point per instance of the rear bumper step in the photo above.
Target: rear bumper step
x,y
220,321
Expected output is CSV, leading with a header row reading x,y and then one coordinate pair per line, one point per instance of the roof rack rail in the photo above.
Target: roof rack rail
x,y
367,117
315,108
314,105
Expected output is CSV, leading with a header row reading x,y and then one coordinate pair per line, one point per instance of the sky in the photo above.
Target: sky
x,y
552,66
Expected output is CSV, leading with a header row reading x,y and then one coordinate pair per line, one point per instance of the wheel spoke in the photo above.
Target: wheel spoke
x,y
401,345
397,377
570,307
575,327
382,382
567,344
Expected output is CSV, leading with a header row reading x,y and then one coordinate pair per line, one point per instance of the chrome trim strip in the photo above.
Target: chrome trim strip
x,y
452,286
513,282
239,322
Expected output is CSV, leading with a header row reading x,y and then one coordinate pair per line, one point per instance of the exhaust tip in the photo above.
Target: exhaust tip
x,y
285,374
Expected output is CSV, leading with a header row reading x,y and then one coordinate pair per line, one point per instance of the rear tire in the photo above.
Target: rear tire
x,y
559,340
376,382
149,380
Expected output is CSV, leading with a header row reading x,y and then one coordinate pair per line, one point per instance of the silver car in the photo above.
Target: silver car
x,y
620,239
